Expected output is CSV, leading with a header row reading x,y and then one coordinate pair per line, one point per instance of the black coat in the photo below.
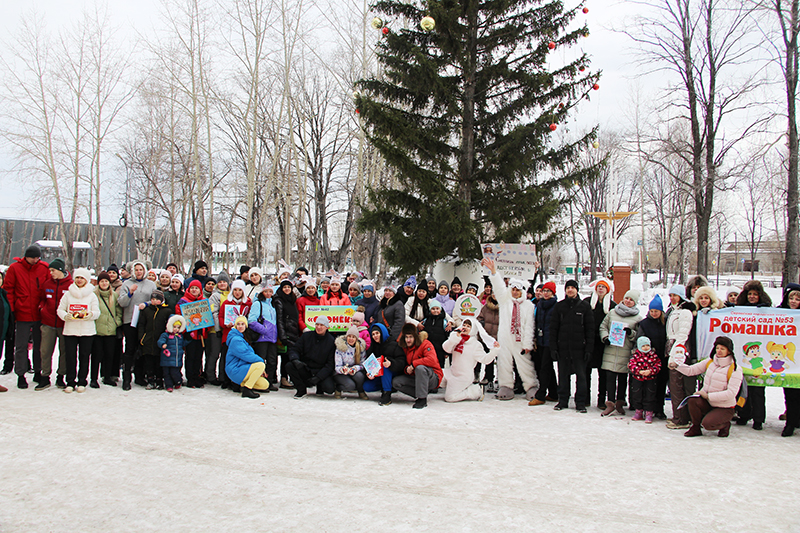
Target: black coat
x,y
391,314
316,351
656,331
4,318
392,352
287,320
544,312
434,326
571,331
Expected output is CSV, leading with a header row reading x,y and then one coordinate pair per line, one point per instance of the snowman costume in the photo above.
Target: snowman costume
x,y
515,334
467,352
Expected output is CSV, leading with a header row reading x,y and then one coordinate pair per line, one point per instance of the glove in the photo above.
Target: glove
x,y
606,341
314,380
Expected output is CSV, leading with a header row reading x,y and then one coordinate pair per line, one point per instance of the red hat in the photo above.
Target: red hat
x,y
551,286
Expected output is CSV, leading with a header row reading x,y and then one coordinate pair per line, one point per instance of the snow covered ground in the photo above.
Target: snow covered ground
x,y
209,460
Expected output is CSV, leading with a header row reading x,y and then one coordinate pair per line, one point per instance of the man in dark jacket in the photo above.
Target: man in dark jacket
x,y
542,358
52,329
311,360
571,344
23,283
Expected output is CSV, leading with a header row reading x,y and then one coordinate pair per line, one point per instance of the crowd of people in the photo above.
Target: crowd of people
x,y
415,339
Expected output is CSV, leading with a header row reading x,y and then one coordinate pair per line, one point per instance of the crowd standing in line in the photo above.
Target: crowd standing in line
x,y
423,336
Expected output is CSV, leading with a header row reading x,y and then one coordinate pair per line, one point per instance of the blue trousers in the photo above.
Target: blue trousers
x,y
380,383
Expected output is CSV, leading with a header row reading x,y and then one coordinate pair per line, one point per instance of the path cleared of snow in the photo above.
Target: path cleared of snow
x,y
209,460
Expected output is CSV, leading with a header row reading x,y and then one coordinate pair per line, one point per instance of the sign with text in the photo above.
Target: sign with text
x,y
338,315
765,340
512,260
198,315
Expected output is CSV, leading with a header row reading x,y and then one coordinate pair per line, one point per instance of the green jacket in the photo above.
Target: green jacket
x,y
110,313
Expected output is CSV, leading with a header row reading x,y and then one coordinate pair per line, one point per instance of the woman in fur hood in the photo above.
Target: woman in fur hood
x,y
79,309
349,364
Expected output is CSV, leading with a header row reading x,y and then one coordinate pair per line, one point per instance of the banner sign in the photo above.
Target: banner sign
x,y
198,315
338,315
512,260
764,338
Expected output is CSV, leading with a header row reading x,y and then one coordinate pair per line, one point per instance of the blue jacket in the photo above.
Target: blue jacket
x,y
266,327
175,345
240,357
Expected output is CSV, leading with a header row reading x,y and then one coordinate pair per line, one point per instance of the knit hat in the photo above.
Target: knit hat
x,y
434,303
284,283
309,281
456,281
238,284
198,265
422,287
179,277
322,319
732,288
551,286
358,316
256,270
265,285
443,282
33,251
571,283
240,318
642,342
368,287
724,341
157,294
58,264
680,290
609,285
111,267
352,330
411,282
355,285
325,278
171,265
656,303
634,295
223,276
103,276
486,281
82,273
472,286
243,269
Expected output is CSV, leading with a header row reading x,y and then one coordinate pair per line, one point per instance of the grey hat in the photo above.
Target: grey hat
x,y
322,319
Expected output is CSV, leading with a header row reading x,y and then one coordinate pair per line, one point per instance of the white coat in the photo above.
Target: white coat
x,y
510,348
80,297
460,374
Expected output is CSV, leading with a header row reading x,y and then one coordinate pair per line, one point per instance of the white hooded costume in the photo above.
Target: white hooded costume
x,y
513,342
459,375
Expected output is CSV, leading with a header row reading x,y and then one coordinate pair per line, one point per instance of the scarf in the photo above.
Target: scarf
x,y
624,310
460,346
516,323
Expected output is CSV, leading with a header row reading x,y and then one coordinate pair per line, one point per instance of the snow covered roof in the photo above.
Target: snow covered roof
x,y
219,247
57,244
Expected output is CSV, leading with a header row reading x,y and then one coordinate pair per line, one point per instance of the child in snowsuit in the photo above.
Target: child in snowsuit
x,y
467,351
644,367
172,344
152,323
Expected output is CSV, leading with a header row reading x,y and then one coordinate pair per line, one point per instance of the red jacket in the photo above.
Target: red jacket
x,y
424,354
644,361
23,283
332,298
302,302
52,292
227,302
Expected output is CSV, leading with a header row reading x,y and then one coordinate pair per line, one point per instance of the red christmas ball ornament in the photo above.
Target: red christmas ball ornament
x,y
551,45
358,112
385,30
585,10
595,87
553,127
561,105
581,68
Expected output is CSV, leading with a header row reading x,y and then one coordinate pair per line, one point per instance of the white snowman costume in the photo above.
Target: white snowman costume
x,y
513,342
460,374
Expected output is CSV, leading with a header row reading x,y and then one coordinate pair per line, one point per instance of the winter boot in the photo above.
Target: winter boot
x,y
22,383
620,407
94,384
363,395
638,415
249,393
337,394
724,432
126,385
788,431
151,384
386,398
505,393
44,383
694,431
60,382
609,408
648,417
110,382
421,403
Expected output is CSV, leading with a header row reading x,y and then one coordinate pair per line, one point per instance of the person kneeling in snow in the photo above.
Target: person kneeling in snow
x,y
311,360
515,334
422,373
465,345
242,365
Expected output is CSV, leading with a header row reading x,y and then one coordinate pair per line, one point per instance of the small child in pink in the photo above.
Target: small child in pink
x,y
644,367
358,321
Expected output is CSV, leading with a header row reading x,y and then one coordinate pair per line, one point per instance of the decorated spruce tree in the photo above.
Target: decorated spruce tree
x,y
464,111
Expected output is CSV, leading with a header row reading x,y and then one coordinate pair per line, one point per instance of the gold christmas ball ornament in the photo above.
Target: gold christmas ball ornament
x,y
427,23
595,144
377,23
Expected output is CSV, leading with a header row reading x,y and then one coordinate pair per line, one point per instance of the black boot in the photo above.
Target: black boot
x,y
126,385
110,382
788,431
249,393
386,398
42,384
421,403
22,383
60,382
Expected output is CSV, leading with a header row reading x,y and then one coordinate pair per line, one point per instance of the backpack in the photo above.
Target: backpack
x,y
741,396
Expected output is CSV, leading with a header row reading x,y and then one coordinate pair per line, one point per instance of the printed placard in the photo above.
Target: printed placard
x,y
512,260
339,316
198,315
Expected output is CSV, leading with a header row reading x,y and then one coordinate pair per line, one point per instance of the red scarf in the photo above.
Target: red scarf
x,y
516,326
460,346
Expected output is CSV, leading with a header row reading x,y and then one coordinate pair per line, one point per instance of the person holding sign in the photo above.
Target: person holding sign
x,y
390,356
679,324
754,295
79,309
467,346
235,305
195,339
311,360
132,292
712,407
618,332
515,334
791,300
